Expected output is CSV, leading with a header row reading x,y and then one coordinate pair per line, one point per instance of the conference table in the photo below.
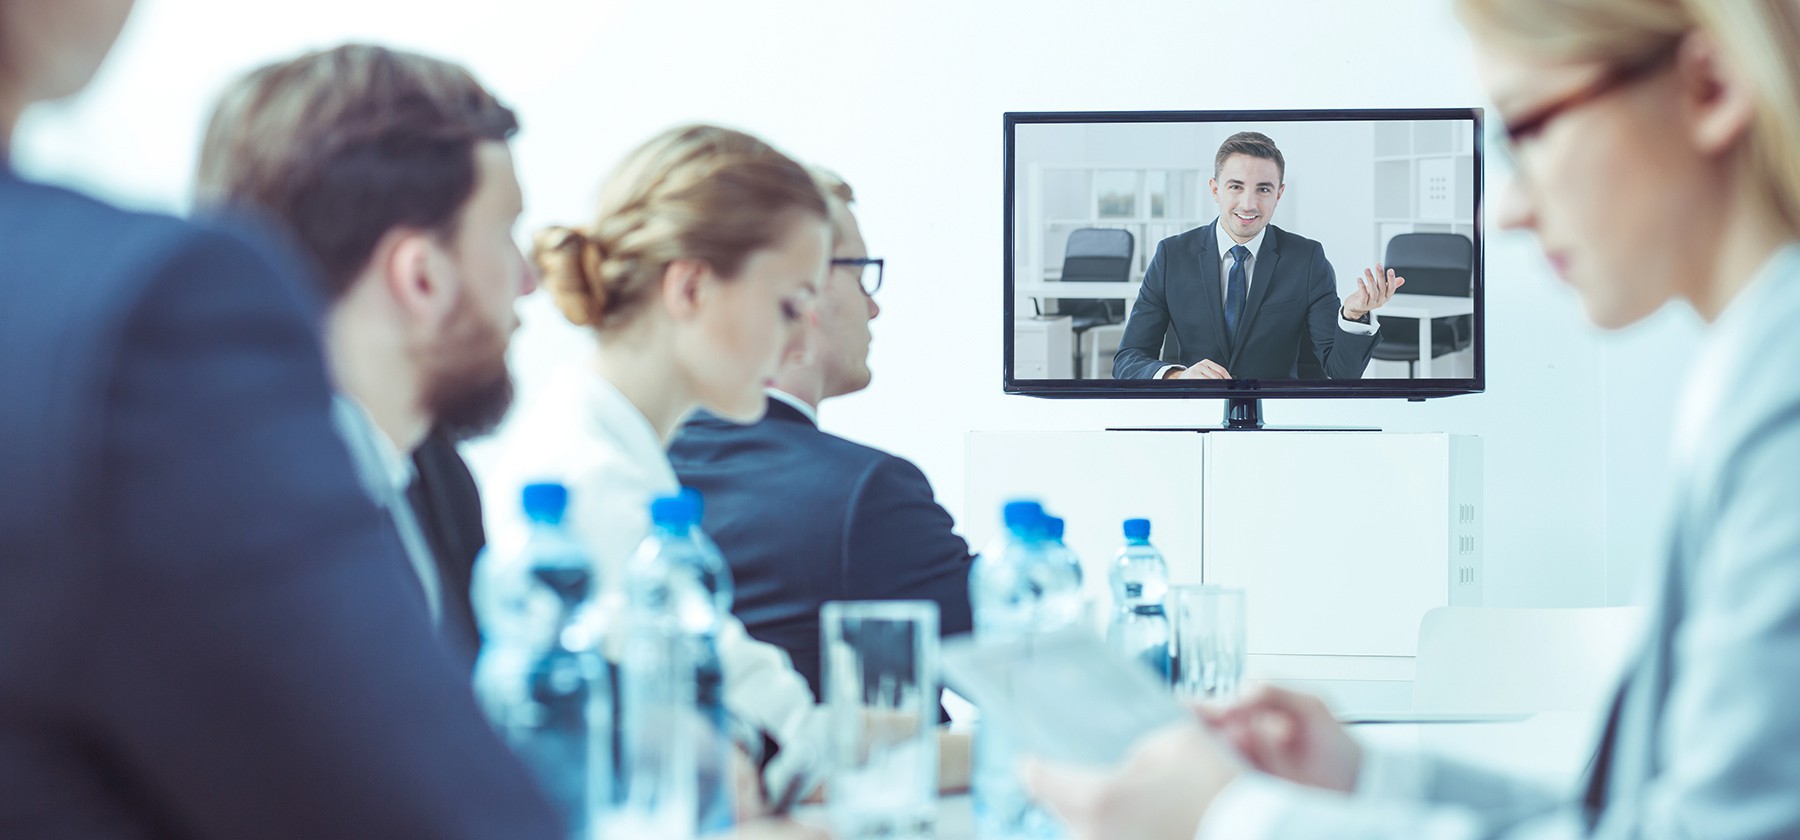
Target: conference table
x,y
1552,748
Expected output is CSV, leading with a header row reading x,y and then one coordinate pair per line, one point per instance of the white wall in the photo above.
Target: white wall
x,y
904,98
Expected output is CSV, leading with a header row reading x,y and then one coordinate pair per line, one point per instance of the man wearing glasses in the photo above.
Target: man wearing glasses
x,y
803,516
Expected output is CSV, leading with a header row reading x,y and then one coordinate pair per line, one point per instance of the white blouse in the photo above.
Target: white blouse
x,y
581,431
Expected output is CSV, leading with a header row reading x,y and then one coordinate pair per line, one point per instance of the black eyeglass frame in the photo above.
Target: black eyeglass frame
x,y
862,263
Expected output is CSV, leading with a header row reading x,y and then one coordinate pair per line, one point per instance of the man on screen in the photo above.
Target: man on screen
x,y
1244,299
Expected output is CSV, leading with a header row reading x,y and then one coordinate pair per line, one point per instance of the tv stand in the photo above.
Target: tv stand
x,y
1243,414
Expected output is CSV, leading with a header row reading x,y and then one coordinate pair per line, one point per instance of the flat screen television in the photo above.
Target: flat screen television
x,y
1218,254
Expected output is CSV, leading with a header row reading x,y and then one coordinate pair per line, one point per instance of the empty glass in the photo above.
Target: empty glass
x,y
880,682
1208,641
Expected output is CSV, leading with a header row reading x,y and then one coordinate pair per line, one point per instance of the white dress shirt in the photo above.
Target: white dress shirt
x,y
385,474
582,431
795,403
1226,243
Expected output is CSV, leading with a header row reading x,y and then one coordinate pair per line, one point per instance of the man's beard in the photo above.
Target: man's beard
x,y
469,389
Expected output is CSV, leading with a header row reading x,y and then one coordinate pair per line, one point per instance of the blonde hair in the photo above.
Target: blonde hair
x,y
1761,38
696,192
832,184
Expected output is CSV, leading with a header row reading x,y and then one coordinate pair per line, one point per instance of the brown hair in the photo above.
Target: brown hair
x,y
344,145
1254,144
693,192
1760,37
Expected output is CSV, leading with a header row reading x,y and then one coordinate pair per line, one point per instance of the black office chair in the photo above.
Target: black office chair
x,y
1440,264
1095,255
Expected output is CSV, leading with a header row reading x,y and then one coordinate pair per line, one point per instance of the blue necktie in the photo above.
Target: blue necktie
x,y
1237,287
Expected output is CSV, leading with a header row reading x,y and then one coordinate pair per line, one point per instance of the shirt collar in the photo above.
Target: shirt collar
x,y
795,403
1226,243
378,457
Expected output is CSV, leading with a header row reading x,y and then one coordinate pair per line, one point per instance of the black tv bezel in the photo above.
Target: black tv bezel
x,y
1245,389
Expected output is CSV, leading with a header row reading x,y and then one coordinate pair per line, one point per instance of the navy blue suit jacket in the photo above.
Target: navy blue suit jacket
x,y
208,630
1292,309
804,517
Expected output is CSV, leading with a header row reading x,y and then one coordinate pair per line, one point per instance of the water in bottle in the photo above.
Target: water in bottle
x,y
1017,590
1140,578
539,677
717,793
679,753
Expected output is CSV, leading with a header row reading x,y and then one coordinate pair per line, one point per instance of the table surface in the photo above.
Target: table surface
x,y
1403,305
1552,747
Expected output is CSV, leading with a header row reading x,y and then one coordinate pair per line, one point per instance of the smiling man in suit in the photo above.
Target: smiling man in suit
x,y
1244,299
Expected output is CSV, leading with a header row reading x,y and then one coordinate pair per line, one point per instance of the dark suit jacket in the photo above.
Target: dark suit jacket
x,y
1292,308
207,628
804,517
448,506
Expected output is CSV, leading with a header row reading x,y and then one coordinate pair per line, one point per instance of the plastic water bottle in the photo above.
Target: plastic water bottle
x,y
678,752
717,794
714,572
1060,552
1054,527
1017,590
1140,580
538,676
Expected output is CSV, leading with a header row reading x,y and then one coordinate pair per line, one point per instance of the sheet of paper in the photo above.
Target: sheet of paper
x,y
1062,696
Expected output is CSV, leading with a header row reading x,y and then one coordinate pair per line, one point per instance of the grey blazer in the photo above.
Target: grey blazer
x,y
1705,739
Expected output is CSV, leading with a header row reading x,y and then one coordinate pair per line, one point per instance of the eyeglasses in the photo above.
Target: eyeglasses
x,y
1519,135
868,271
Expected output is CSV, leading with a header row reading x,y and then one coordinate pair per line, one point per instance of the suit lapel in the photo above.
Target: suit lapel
x,y
1259,289
1212,296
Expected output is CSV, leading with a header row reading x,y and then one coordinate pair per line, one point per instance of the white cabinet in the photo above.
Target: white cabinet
x,y
1343,539
1043,348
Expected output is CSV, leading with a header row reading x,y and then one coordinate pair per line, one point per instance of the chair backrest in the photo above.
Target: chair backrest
x,y
1503,660
1440,264
1097,255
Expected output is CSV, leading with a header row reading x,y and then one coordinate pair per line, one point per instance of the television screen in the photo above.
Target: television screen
x,y
1244,254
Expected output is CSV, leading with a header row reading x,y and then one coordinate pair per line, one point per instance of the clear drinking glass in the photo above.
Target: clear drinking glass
x,y
880,681
1207,629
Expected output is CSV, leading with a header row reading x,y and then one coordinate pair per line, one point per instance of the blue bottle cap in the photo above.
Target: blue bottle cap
x,y
673,512
1053,525
696,501
545,501
1022,514
1137,529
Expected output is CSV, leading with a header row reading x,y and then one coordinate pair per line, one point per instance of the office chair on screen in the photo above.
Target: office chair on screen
x,y
1095,255
1441,264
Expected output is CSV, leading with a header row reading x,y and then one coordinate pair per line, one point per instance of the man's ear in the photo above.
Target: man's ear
x,y
1718,102
1213,185
684,282
416,271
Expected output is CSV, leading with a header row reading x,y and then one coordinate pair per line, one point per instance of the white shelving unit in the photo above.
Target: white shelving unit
x,y
1153,203
1424,179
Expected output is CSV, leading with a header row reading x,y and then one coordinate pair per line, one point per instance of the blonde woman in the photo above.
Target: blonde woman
x,y
699,269
1657,149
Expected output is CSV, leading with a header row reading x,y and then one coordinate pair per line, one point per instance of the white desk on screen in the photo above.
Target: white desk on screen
x,y
1425,309
1055,289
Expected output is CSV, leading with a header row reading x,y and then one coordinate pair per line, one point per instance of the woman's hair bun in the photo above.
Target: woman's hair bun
x,y
568,261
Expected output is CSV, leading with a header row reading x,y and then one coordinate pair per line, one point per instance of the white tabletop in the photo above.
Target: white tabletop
x,y
1426,306
1079,289
1552,747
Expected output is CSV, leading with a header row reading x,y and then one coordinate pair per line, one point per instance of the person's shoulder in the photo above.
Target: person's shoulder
x,y
1187,238
1289,241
